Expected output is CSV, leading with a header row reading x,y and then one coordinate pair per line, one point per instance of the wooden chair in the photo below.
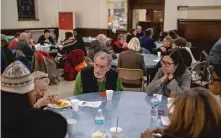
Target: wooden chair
x,y
132,79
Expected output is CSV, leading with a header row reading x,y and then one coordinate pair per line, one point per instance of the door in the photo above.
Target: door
x,y
66,20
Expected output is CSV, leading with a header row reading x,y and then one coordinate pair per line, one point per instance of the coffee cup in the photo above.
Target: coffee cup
x,y
109,94
71,124
75,104
116,132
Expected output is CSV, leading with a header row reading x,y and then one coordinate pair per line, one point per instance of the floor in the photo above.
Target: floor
x,y
64,89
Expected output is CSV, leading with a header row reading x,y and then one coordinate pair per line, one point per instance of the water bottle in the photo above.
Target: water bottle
x,y
154,112
99,121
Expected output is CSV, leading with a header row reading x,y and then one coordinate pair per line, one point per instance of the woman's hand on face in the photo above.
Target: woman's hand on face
x,y
163,49
125,45
165,76
170,76
42,102
147,134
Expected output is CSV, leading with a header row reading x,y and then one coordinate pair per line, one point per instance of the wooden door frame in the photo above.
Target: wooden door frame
x,y
130,8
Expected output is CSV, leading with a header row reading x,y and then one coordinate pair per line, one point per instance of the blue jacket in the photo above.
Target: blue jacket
x,y
147,42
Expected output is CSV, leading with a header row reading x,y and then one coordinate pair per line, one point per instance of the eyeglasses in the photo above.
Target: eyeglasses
x,y
167,64
212,79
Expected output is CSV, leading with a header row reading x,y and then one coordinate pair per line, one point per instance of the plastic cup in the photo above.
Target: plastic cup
x,y
75,104
116,132
109,94
159,55
71,124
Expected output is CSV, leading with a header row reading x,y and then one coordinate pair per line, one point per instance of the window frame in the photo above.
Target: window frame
x,y
31,18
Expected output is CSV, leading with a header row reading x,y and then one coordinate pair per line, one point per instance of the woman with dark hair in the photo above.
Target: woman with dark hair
x,y
188,59
173,34
181,42
196,114
162,35
69,44
131,34
80,40
172,78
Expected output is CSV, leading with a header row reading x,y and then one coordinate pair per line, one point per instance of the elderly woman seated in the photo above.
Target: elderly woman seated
x,y
132,59
120,45
38,98
100,45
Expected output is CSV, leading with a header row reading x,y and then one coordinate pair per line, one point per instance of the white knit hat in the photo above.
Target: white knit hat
x,y
17,79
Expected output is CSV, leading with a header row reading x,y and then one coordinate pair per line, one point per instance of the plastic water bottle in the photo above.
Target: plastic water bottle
x,y
99,121
154,112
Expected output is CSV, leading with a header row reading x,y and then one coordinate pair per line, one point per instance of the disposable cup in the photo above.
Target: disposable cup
x,y
159,55
71,124
109,94
116,132
75,104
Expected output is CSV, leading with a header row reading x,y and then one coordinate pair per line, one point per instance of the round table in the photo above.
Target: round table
x,y
132,108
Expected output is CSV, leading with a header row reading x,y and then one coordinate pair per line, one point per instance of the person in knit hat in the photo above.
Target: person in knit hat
x,y
41,82
18,118
16,85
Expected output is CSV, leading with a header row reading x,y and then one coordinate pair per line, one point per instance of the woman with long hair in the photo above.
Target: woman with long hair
x,y
196,114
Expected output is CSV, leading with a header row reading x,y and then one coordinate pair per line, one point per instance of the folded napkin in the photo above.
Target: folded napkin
x,y
158,96
165,120
94,104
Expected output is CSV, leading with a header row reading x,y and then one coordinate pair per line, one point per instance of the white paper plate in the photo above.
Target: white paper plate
x,y
56,106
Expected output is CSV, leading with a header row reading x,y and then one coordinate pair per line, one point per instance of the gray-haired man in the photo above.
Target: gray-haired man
x,y
99,77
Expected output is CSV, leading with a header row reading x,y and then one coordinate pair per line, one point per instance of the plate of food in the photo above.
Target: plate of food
x,y
59,103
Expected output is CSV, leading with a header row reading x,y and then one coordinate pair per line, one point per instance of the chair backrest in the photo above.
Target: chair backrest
x,y
131,76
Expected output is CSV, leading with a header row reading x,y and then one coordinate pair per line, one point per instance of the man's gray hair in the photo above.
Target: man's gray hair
x,y
103,55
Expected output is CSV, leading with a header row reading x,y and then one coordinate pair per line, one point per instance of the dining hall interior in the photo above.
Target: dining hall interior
x,y
111,68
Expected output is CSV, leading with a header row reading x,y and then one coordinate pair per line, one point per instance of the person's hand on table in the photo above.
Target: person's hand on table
x,y
163,49
148,134
159,131
44,101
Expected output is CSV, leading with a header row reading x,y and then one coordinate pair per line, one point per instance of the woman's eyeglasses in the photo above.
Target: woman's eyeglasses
x,y
210,70
212,79
167,64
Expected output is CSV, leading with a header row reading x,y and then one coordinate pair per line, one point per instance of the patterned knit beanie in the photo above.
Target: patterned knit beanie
x,y
17,79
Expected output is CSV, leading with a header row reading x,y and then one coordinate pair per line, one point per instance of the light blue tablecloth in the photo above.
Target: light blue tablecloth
x,y
150,60
132,108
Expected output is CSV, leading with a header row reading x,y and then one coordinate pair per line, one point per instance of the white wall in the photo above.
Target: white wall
x,y
89,13
94,13
46,13
171,14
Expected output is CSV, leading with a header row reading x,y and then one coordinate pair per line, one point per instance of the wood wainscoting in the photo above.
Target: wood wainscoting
x,y
203,34
85,32
93,32
12,32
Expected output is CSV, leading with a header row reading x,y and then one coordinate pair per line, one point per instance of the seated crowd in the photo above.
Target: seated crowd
x,y
24,80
